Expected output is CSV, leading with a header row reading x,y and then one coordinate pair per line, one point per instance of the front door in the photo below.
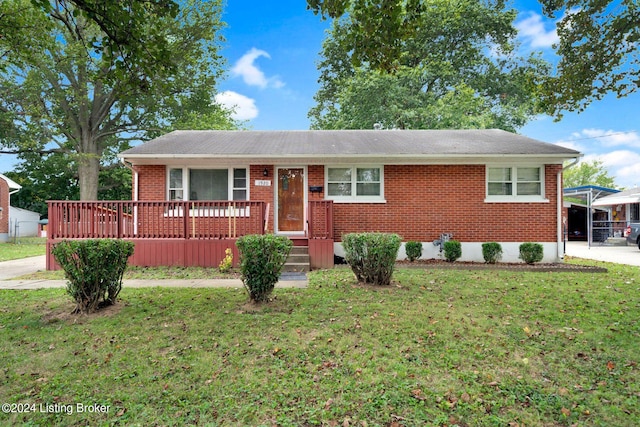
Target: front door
x,y
291,200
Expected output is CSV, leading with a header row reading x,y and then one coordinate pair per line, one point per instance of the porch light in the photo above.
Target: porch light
x,y
265,172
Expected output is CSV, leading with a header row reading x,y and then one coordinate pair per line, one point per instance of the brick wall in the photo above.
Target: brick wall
x,y
152,182
424,201
421,203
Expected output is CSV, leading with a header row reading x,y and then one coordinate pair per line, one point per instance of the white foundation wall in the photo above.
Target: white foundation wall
x,y
472,251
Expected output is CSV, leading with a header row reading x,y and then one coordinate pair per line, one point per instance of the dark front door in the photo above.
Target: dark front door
x,y
291,199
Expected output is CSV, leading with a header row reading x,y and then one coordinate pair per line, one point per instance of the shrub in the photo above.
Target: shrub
x,y
531,252
94,269
227,262
413,250
452,250
372,256
491,252
261,260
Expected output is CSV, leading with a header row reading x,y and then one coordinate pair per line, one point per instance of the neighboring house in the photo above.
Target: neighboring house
x,y
623,208
475,186
7,188
23,223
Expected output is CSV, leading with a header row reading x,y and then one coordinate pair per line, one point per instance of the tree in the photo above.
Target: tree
x,y
124,24
413,64
598,51
59,95
588,173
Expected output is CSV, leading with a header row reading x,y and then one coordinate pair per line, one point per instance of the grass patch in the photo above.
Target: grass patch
x,y
437,347
25,247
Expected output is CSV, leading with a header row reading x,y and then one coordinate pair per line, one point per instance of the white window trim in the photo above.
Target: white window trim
x,y
515,198
185,181
354,198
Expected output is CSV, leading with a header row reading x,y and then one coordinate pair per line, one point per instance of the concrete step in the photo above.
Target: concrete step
x,y
295,250
296,266
298,260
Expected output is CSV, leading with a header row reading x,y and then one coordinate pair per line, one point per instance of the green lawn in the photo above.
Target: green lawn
x,y
25,247
438,347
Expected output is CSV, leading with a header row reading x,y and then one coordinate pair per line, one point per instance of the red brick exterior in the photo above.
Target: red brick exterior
x,y
152,182
422,201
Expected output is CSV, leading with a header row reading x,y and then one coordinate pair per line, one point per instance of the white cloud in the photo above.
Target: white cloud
x,y
533,29
612,138
251,74
623,163
244,108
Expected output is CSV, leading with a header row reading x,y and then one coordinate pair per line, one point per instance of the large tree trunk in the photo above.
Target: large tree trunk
x,y
88,170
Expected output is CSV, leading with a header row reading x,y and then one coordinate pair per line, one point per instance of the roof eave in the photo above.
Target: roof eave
x,y
145,159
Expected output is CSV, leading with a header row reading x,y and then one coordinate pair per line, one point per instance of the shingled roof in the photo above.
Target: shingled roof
x,y
392,146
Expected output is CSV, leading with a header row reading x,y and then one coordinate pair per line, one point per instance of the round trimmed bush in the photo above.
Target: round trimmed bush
x,y
413,250
372,256
491,252
452,250
531,252
262,257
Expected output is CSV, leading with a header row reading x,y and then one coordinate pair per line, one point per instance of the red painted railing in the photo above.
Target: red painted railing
x,y
155,220
320,215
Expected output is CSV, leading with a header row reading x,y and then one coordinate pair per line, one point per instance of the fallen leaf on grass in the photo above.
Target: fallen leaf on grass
x,y
565,412
610,365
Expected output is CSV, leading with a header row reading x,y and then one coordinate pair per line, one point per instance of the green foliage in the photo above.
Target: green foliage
x,y
598,51
409,65
413,250
452,250
492,252
94,269
227,262
531,252
588,173
372,256
66,80
261,260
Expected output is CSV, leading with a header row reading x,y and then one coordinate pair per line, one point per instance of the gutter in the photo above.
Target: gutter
x,y
560,235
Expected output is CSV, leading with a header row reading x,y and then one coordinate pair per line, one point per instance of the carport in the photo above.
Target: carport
x,y
584,217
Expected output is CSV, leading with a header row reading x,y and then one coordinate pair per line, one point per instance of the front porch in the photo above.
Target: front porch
x,y
183,233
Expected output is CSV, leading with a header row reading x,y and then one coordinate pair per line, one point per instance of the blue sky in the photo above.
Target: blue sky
x,y
272,52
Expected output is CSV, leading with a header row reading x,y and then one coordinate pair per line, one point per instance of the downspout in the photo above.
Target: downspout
x,y
560,233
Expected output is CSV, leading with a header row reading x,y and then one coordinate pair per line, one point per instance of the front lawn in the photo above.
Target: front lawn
x,y
23,248
438,347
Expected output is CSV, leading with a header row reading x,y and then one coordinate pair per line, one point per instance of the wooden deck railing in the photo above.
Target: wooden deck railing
x,y
149,220
320,216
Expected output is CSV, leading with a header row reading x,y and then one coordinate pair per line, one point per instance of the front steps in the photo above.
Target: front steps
x,y
298,260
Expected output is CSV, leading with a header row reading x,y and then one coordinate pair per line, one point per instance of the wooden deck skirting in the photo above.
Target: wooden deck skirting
x,y
179,233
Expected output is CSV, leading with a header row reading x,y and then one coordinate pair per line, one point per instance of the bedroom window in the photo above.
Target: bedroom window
x,y
515,183
353,183
208,184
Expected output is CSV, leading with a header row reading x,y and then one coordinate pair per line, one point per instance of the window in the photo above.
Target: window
x,y
176,190
515,183
208,184
354,183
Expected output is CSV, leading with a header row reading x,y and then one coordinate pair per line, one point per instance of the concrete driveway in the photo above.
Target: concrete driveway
x,y
629,255
20,267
